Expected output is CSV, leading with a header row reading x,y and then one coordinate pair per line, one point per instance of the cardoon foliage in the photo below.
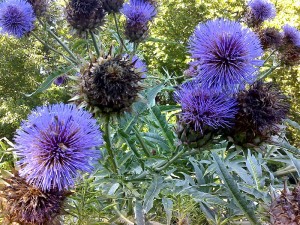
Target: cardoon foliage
x,y
202,108
291,35
262,10
55,143
16,17
138,13
226,54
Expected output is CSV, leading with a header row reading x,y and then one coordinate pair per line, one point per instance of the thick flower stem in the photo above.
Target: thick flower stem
x,y
108,144
118,31
95,43
53,49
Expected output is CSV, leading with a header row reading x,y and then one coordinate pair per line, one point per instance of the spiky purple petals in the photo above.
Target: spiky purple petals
x,y
262,10
55,143
140,66
138,12
203,108
226,54
16,17
291,35
60,80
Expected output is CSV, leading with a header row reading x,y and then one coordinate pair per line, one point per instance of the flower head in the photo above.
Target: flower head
x,y
140,66
111,6
138,14
26,204
270,38
16,17
261,109
203,108
39,6
291,35
226,54
55,143
84,15
110,84
262,10
60,80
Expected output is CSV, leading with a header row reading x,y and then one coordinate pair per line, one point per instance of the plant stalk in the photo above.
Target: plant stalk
x,y
108,144
118,31
53,49
95,43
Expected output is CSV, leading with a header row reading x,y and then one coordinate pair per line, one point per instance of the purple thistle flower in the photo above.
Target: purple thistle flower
x,y
55,143
262,10
225,54
291,34
138,12
16,17
140,66
203,108
60,80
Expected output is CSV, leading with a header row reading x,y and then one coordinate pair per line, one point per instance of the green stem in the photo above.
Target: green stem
x,y
264,75
53,49
267,59
95,43
108,145
170,161
58,40
140,139
118,31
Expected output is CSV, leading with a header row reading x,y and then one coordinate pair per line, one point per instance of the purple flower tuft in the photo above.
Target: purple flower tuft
x,y
203,108
60,80
140,66
225,54
291,34
16,17
55,143
138,12
262,10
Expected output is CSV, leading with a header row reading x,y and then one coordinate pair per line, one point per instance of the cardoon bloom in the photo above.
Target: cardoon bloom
x,y
60,80
261,109
55,143
110,84
140,66
291,35
26,204
112,6
138,14
39,6
85,15
226,54
16,17
270,38
262,10
202,108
